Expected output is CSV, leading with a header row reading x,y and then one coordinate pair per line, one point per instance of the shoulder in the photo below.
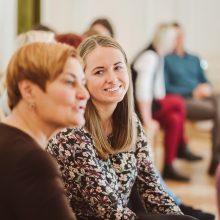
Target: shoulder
x,y
193,57
40,163
147,57
71,142
71,136
16,145
32,164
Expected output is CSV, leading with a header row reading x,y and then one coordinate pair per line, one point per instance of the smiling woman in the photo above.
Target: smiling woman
x,y
45,84
107,76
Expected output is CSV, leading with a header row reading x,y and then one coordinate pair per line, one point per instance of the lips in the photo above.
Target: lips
x,y
112,89
80,108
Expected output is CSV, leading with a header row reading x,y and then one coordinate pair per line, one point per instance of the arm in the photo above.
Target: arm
x,y
83,174
203,89
37,191
150,125
145,67
201,72
154,197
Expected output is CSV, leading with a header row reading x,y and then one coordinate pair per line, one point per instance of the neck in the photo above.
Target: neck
x,y
27,121
105,113
180,51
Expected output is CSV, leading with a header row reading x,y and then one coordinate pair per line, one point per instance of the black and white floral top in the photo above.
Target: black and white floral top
x,y
101,188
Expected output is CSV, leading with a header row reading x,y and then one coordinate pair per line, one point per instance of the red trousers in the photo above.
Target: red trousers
x,y
171,116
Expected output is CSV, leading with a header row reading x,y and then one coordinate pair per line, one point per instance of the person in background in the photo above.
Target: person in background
x,y
185,76
43,27
71,39
103,26
156,108
45,86
101,162
100,26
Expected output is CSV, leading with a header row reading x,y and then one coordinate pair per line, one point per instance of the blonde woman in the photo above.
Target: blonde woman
x,y
101,161
45,85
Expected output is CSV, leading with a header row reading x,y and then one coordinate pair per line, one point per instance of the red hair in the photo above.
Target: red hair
x,y
69,38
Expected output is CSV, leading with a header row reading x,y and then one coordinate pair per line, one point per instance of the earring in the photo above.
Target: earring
x,y
32,105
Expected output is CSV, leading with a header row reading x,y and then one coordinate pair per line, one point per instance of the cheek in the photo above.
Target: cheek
x,y
92,86
65,97
126,80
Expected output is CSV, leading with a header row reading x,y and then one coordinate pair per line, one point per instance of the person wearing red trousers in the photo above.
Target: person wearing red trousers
x,y
171,117
154,107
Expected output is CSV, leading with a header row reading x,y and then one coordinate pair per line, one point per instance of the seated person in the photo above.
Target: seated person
x,y
184,76
42,99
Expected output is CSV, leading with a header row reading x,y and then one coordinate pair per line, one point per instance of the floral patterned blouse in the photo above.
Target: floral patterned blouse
x,y
101,188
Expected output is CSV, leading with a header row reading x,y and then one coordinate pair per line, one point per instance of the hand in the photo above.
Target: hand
x,y
151,128
203,90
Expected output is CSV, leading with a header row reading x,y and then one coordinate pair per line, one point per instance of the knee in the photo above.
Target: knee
x,y
178,103
216,98
175,120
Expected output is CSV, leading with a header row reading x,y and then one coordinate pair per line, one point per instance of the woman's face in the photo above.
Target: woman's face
x,y
63,104
106,75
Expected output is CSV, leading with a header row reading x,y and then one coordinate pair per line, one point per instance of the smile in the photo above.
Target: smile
x,y
113,89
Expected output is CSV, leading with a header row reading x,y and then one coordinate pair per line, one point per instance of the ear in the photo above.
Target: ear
x,y
26,89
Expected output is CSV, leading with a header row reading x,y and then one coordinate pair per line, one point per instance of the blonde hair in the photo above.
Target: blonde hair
x,y
164,38
37,62
123,123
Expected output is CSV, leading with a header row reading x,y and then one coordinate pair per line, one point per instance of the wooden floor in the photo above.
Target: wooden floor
x,y
200,192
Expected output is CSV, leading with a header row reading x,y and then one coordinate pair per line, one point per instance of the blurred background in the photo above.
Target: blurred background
x,y
134,23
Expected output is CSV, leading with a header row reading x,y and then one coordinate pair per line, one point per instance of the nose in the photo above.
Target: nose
x,y
82,92
112,77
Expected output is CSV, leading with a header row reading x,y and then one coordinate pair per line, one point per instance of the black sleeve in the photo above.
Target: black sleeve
x,y
37,190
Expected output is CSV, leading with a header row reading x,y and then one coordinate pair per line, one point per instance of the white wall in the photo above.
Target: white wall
x,y
8,27
134,23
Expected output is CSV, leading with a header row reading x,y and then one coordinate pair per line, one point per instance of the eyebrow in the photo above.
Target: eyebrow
x,y
75,77
71,74
101,67
98,67
118,63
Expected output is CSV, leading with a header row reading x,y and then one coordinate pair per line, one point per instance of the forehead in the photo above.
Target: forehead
x,y
104,55
73,66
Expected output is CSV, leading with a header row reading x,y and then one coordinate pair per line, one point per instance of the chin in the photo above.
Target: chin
x,y
80,121
119,99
